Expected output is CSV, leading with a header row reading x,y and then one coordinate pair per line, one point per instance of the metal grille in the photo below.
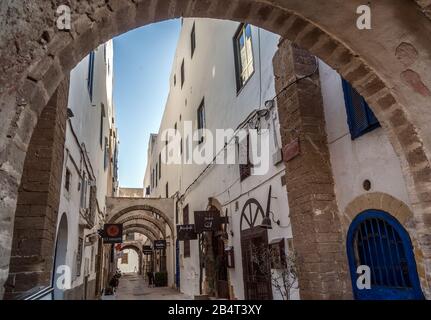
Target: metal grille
x,y
378,245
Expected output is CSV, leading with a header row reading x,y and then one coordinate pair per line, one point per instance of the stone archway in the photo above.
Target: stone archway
x,y
152,231
389,65
159,225
135,248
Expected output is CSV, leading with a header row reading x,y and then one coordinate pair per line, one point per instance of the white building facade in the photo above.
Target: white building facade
x,y
89,175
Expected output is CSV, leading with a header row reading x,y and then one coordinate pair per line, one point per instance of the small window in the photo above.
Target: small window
x,y
360,117
243,55
90,79
157,173
181,146
182,74
175,80
102,116
167,190
84,191
201,120
160,165
245,168
67,180
106,162
186,242
193,39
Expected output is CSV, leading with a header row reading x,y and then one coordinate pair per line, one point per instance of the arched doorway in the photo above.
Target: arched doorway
x,y
134,263
61,275
254,248
377,240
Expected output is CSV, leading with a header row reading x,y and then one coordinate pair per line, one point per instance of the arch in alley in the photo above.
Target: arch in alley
x,y
154,232
161,207
134,247
146,217
390,66
142,231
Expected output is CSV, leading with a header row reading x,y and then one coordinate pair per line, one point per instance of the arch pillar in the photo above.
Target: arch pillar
x,y
314,214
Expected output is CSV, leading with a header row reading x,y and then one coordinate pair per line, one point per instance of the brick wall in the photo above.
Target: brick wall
x,y
317,235
38,200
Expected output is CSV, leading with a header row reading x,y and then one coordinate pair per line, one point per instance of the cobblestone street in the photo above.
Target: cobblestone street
x,y
134,287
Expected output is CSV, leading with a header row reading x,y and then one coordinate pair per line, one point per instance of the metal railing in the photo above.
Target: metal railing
x,y
38,293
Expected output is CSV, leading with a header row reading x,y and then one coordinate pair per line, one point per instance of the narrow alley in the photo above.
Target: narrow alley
x,y
134,287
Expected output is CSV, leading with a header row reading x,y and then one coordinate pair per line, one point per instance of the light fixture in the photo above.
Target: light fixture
x,y
266,221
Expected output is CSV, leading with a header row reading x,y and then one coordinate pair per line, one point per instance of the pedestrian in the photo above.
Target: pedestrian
x,y
114,283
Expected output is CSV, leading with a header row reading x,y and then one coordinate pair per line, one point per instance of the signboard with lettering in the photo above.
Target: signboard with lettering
x,y
159,244
147,250
291,150
113,233
186,232
207,221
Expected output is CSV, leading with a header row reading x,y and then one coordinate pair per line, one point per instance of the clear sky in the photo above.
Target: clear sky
x,y
142,66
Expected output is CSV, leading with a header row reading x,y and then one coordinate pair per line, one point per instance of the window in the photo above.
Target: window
x,y
243,55
244,151
102,115
181,146
193,39
160,165
157,174
67,180
167,190
201,120
360,117
84,191
186,221
79,256
106,157
175,80
90,74
182,74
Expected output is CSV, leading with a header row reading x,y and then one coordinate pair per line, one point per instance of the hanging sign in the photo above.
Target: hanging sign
x,y
113,233
186,232
207,221
159,244
147,250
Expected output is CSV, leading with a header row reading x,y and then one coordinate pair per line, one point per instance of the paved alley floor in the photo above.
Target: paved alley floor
x,y
134,287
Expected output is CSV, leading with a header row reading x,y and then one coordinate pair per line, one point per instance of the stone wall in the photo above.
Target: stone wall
x,y
38,200
316,227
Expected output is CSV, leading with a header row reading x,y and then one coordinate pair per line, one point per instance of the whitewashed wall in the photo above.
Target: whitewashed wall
x,y
371,156
86,129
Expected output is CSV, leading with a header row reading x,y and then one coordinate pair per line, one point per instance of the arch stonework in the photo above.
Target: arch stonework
x,y
396,208
154,232
389,65
145,232
137,249
145,219
119,207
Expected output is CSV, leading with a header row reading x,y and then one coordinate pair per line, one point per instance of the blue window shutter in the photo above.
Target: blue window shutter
x,y
360,117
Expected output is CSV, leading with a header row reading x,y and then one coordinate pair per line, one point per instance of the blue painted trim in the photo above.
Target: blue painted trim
x,y
355,130
380,292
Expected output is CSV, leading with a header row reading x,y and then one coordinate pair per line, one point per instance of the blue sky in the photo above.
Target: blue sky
x,y
142,66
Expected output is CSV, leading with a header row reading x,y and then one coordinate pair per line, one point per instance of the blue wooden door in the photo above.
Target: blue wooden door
x,y
378,240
